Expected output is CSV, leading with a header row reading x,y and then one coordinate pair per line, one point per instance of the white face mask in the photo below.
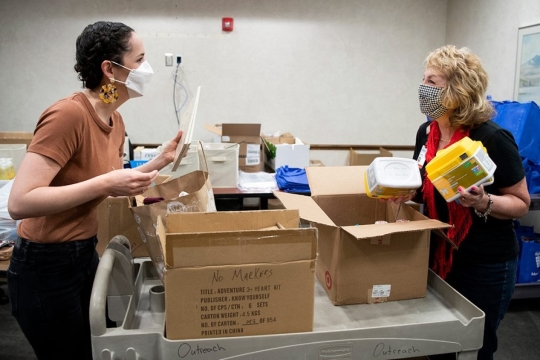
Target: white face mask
x,y
137,79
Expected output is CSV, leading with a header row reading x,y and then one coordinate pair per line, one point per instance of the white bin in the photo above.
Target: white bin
x,y
188,164
222,160
14,151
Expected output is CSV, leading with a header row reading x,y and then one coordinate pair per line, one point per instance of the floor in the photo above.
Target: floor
x,y
519,333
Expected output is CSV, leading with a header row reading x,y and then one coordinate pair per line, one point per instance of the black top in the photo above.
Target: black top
x,y
494,240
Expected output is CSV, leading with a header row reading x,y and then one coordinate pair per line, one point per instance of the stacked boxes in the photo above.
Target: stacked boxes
x,y
286,150
247,136
237,273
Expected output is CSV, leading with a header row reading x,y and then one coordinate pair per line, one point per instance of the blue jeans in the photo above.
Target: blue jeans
x,y
49,289
490,287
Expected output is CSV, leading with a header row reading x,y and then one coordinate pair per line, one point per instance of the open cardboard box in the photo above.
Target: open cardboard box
x,y
289,150
356,158
248,136
237,273
360,261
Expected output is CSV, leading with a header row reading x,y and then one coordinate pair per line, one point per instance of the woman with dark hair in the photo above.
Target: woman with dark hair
x,y
74,162
453,96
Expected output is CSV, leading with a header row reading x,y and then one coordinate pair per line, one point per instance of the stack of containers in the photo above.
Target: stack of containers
x,y
464,163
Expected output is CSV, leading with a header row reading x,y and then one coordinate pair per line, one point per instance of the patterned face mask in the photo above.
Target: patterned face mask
x,y
431,101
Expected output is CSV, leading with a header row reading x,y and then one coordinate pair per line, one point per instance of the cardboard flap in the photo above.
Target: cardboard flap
x,y
212,128
229,221
309,210
228,238
240,247
372,230
241,130
441,234
336,180
159,261
286,138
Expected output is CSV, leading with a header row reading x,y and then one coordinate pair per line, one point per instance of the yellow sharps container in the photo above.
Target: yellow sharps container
x,y
464,163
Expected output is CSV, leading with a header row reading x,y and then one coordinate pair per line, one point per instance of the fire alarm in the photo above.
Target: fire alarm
x,y
227,24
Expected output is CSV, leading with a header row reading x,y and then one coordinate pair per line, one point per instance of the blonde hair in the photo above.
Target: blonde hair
x,y
466,85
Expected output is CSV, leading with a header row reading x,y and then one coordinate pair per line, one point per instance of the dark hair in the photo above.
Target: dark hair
x,y
103,40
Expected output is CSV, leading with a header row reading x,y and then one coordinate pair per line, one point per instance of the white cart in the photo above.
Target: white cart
x,y
442,322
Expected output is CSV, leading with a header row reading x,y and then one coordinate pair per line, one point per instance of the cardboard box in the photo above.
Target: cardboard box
x,y
115,218
137,153
286,150
237,273
285,138
360,261
250,156
356,158
16,137
189,193
315,163
149,153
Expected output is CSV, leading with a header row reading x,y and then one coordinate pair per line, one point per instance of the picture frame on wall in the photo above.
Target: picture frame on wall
x,y
527,82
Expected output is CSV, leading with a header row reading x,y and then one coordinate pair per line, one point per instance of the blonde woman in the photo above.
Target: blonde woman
x,y
453,96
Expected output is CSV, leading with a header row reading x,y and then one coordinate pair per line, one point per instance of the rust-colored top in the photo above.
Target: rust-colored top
x,y
71,133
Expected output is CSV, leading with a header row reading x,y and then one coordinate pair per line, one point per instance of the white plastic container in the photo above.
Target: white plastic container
x,y
14,151
392,177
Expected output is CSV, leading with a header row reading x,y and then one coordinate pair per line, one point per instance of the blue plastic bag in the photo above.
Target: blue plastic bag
x,y
529,262
292,180
522,232
523,121
532,175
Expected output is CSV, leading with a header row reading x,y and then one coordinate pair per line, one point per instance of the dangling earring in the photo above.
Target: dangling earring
x,y
108,93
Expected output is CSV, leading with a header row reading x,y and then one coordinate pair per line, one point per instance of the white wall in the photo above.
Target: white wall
x,y
490,29
342,72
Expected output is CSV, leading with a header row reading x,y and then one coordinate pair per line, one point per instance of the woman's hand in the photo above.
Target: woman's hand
x,y
165,157
129,182
169,149
512,202
475,197
32,196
